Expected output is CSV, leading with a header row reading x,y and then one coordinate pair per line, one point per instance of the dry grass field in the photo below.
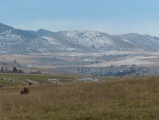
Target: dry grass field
x,y
124,99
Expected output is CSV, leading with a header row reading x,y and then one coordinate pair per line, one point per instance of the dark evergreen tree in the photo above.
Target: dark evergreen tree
x,y
2,70
15,70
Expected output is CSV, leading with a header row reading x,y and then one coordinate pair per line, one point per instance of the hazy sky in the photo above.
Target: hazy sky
x,y
110,16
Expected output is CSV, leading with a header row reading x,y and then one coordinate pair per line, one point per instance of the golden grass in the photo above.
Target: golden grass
x,y
125,99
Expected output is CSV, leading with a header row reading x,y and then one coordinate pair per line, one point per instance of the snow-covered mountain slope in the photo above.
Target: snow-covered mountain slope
x,y
10,33
93,41
42,41
145,42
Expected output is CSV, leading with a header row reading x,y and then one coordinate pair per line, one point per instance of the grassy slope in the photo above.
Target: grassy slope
x,y
20,79
129,98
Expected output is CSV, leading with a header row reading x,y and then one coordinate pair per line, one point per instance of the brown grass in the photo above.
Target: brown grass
x,y
126,99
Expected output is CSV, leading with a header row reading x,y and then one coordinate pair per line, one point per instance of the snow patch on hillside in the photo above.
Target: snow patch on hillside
x,y
52,40
88,38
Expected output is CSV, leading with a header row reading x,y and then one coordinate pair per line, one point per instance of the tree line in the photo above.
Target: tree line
x,y
14,70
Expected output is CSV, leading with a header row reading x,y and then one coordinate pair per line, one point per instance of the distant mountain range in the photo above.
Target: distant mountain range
x,y
17,41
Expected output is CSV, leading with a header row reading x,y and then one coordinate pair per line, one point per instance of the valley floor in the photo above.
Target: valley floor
x,y
105,59
69,62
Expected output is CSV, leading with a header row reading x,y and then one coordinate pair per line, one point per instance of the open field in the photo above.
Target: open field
x,y
22,79
116,58
111,98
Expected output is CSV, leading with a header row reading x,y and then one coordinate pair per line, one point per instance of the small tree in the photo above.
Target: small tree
x,y
20,71
15,70
2,70
15,61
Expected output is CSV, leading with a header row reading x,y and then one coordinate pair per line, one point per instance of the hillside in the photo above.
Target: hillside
x,y
16,41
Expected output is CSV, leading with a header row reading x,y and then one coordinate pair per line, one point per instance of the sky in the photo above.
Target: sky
x,y
109,16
